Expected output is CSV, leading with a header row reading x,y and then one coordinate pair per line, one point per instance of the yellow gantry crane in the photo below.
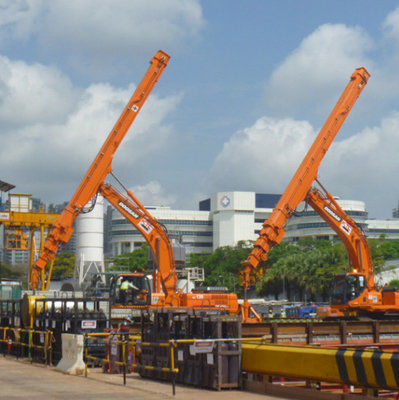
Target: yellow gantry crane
x,y
21,224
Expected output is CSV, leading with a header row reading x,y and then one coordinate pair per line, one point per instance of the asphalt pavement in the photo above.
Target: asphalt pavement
x,y
21,380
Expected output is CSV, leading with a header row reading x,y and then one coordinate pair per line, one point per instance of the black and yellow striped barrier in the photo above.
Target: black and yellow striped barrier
x,y
371,368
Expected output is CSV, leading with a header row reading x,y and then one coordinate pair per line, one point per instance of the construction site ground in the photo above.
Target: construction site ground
x,y
20,379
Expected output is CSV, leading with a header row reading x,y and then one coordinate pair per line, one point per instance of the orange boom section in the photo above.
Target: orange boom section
x,y
273,228
99,169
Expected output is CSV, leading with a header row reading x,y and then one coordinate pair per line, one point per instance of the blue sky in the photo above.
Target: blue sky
x,y
245,93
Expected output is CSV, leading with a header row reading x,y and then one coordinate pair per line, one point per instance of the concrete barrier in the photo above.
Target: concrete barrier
x,y
72,355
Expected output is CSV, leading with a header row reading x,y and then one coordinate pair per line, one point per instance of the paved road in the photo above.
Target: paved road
x,y
21,380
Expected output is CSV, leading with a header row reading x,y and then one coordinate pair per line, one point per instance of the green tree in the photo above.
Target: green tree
x,y
7,272
308,267
394,282
134,261
64,265
222,267
320,266
277,270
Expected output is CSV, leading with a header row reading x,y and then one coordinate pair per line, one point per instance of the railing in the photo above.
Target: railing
x,y
338,366
21,343
333,333
122,351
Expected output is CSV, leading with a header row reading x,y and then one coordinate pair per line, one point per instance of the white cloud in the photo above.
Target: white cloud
x,y
110,27
152,194
33,93
314,73
365,166
17,18
94,36
53,131
391,26
262,158
91,25
265,157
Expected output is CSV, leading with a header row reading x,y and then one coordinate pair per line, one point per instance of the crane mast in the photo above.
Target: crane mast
x,y
99,169
273,228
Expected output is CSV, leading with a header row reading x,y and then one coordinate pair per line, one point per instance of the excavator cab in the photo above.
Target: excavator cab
x,y
347,287
128,290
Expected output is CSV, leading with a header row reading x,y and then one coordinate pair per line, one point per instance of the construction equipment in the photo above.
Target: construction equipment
x,y
164,290
355,291
21,224
273,228
99,169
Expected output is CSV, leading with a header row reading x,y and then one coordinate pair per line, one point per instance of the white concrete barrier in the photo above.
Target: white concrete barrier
x,y
72,355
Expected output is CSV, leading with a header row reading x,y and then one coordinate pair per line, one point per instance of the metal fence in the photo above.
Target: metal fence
x,y
175,361
27,343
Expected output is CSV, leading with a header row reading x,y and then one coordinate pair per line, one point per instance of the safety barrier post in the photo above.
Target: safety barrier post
x,y
124,361
86,352
30,341
4,340
172,365
108,355
49,347
17,342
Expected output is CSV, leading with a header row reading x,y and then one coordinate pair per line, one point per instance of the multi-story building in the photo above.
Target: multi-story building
x,y
222,220
228,217
395,212
193,227
307,223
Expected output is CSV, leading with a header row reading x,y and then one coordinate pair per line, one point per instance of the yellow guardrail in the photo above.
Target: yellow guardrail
x,y
12,342
369,368
125,341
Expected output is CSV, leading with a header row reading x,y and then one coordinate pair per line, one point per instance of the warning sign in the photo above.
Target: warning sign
x,y
202,346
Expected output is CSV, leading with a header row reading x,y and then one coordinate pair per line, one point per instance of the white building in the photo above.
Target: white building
x,y
194,227
223,220
307,223
228,217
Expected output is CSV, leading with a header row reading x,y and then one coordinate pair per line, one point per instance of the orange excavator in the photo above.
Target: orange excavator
x,y
99,169
164,290
298,189
354,292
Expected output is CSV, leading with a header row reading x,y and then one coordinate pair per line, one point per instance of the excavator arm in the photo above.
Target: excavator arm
x,y
152,231
347,230
273,228
99,169
353,291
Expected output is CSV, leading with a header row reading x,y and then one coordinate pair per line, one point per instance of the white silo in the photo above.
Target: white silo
x,y
89,229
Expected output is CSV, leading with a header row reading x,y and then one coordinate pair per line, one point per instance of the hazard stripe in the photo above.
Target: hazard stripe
x,y
360,370
366,376
343,371
378,369
395,366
